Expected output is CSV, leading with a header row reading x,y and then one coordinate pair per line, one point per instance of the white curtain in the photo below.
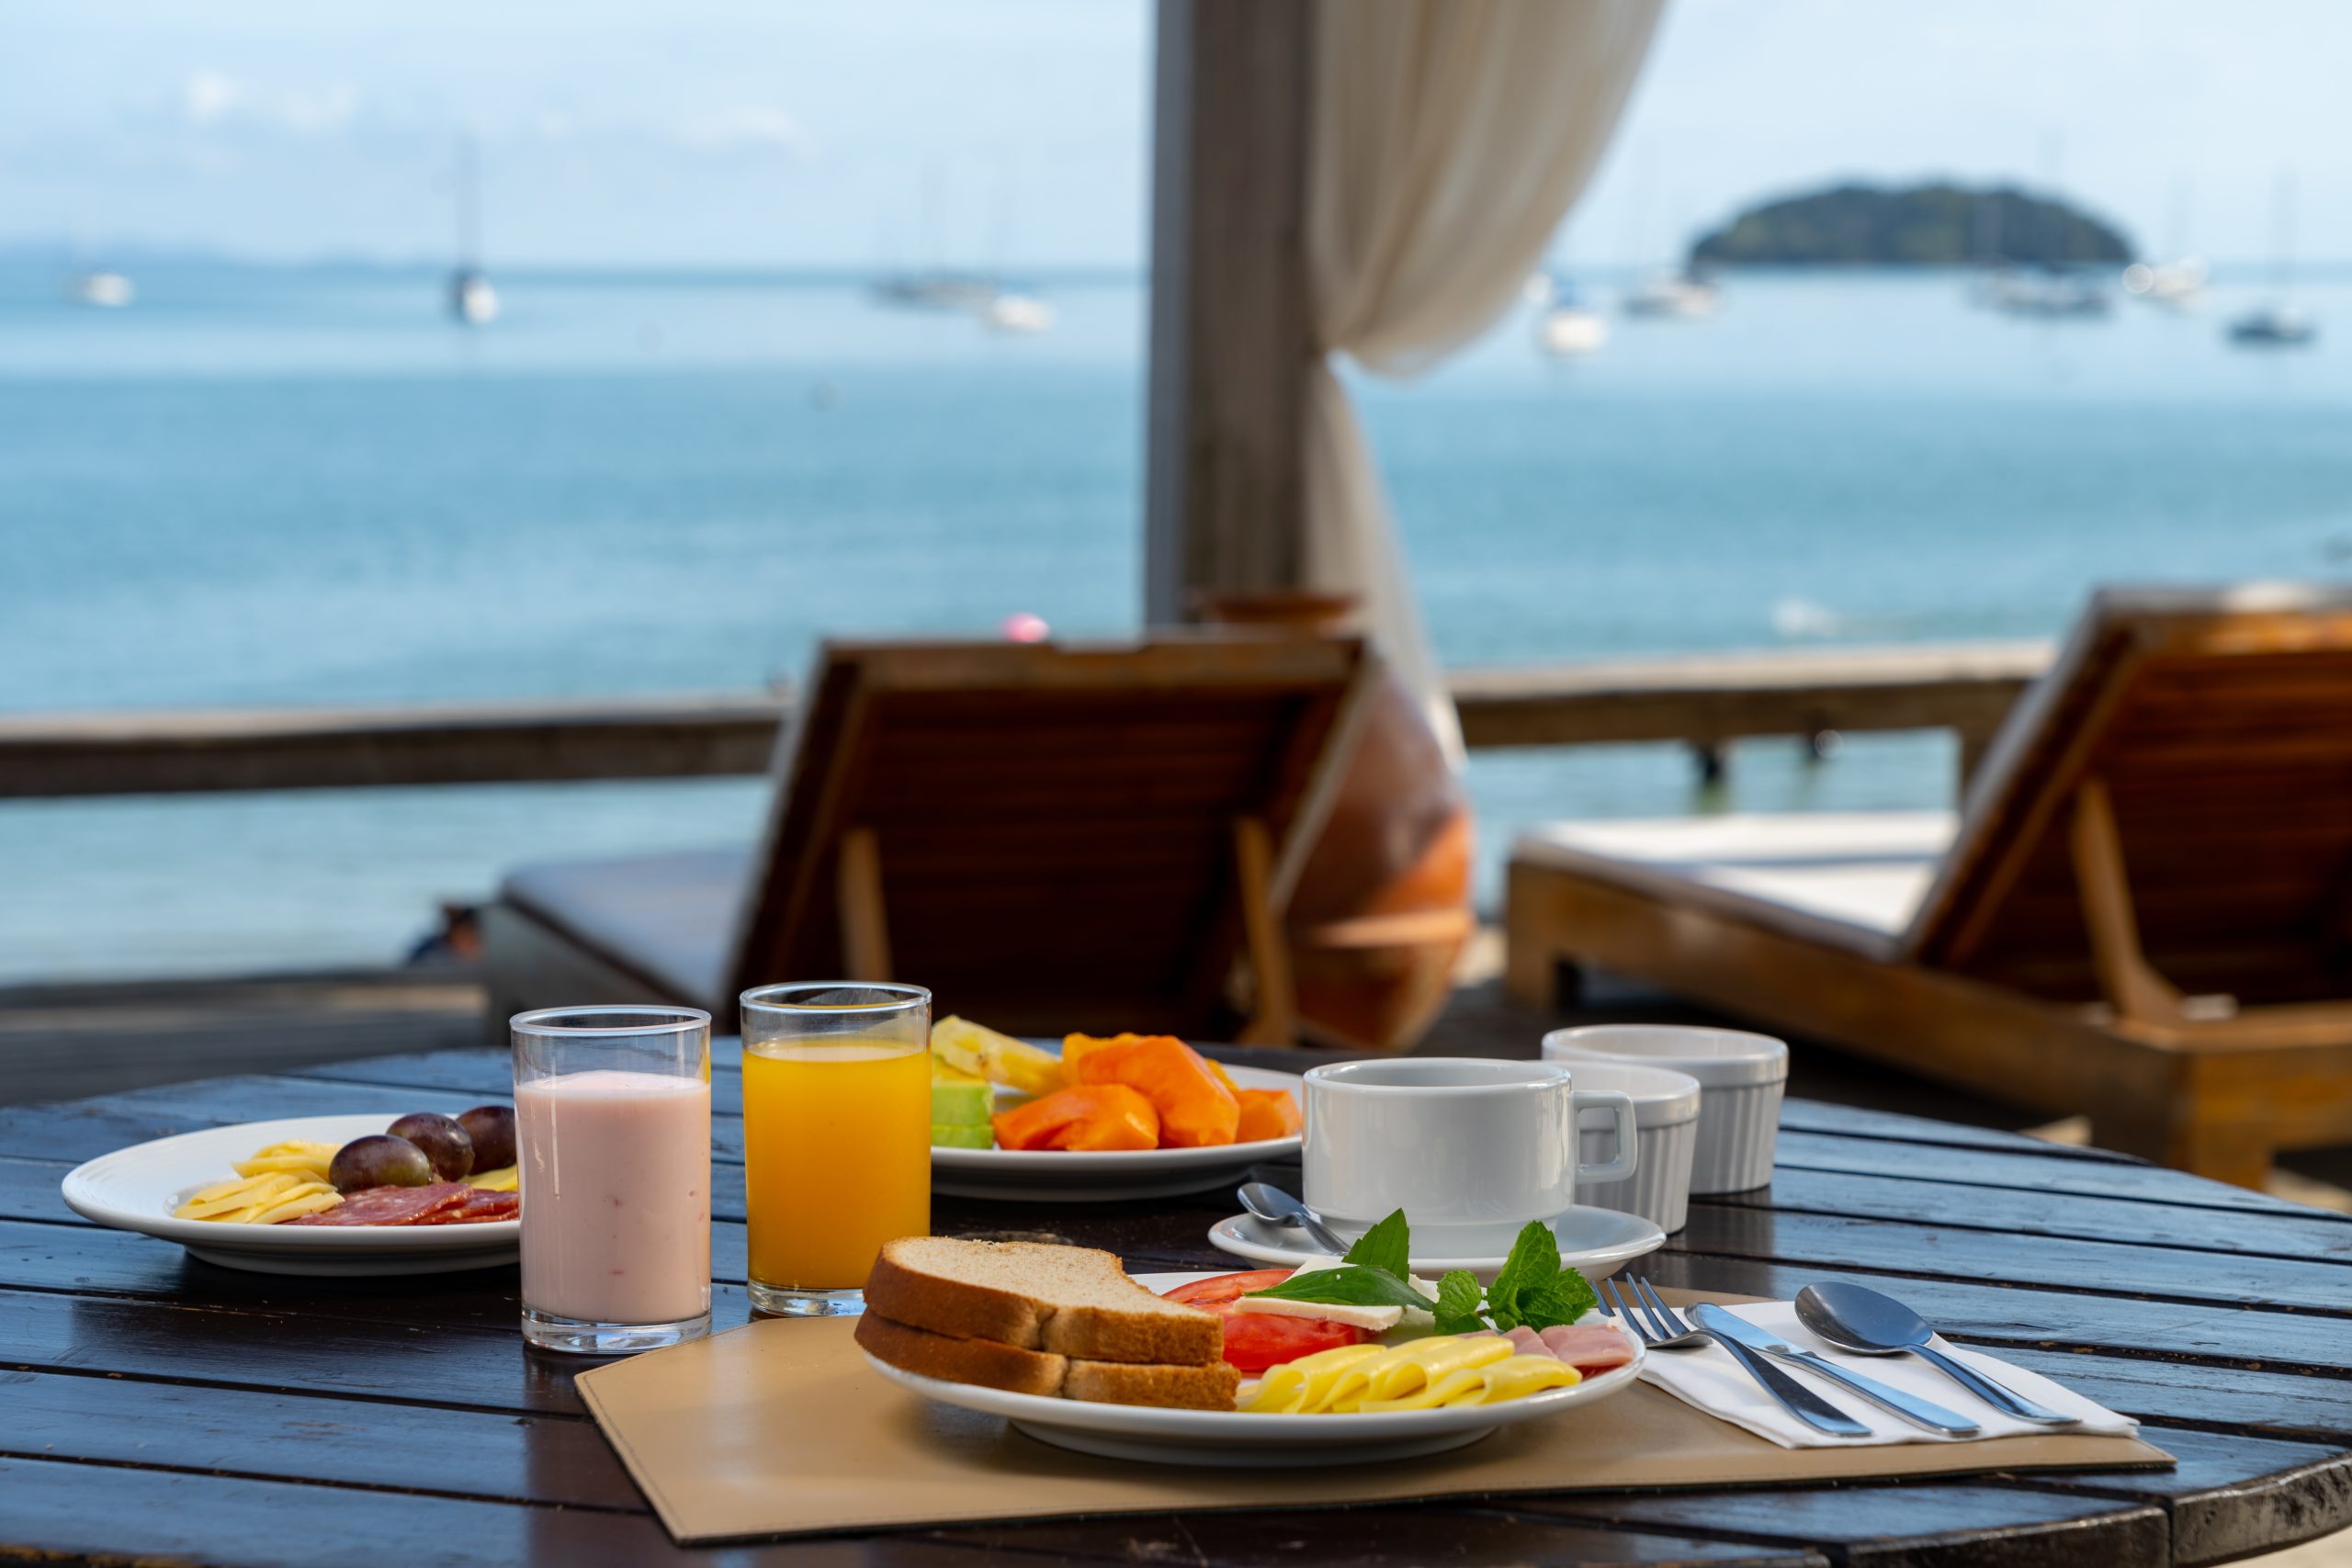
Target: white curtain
x,y
1450,137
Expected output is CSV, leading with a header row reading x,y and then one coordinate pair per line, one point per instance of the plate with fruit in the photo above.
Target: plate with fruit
x,y
425,1194
1100,1118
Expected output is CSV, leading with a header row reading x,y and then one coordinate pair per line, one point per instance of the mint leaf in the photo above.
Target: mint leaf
x,y
1534,1261
1388,1245
1349,1285
1562,1299
1458,1298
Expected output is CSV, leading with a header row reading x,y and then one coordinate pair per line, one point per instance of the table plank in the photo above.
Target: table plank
x,y
1374,1536
50,1511
2104,1268
2034,1170
493,1457
1853,1121
2311,1236
1899,1527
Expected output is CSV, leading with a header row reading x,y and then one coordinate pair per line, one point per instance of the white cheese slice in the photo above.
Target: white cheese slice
x,y
1378,1319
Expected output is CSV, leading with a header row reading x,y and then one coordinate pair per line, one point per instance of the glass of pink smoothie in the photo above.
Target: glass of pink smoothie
x,y
612,1138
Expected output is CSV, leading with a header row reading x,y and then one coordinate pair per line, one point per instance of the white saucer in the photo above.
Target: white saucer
x,y
1595,1242
1156,1436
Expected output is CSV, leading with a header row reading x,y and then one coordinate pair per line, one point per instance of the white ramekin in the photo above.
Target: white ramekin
x,y
1665,1123
1741,1077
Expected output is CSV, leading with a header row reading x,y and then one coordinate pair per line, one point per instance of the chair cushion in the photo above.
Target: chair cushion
x,y
1867,870
668,917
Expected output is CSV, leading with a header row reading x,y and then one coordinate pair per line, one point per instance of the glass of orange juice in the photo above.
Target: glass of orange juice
x,y
836,1137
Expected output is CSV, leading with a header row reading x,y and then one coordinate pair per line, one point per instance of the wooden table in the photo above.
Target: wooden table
x,y
153,1407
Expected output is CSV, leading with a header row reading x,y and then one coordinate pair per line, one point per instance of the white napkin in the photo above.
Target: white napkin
x,y
1708,1378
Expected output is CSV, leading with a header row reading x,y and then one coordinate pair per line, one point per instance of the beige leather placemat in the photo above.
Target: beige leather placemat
x,y
781,1429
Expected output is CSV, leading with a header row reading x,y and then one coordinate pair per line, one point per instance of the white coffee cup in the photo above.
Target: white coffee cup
x,y
1470,1149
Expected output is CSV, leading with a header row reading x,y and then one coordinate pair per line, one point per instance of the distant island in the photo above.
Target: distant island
x,y
1931,225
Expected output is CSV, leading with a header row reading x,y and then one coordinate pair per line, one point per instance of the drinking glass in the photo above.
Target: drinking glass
x,y
612,1133
836,1137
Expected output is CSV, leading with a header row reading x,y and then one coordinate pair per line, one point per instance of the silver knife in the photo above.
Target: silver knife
x,y
1793,1396
1924,1413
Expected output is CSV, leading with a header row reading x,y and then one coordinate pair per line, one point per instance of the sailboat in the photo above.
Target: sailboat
x,y
2275,324
97,287
1569,329
473,301
1682,295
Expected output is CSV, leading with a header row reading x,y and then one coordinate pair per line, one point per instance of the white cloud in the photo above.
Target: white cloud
x,y
746,126
208,95
211,98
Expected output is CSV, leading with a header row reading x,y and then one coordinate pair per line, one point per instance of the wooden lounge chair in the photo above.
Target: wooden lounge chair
x,y
2144,911
1049,837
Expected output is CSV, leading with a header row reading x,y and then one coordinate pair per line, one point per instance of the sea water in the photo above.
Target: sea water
x,y
283,487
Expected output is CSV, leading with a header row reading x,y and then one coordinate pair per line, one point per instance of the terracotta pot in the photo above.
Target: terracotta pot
x,y
1381,908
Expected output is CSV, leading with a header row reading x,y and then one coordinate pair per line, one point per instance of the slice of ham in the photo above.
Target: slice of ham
x,y
389,1205
1588,1347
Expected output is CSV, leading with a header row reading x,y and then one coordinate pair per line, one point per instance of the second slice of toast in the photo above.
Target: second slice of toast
x,y
1063,1301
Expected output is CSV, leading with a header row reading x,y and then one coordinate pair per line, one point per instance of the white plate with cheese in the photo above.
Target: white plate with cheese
x,y
137,1189
1231,1438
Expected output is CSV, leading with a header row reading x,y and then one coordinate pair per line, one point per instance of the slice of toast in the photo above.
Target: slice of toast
x,y
993,1365
1064,1301
983,1361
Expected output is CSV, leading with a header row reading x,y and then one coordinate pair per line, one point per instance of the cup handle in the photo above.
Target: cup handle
x,y
1620,1116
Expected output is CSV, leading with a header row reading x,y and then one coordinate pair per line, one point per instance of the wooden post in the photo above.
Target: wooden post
x,y
865,933
1274,1018
2135,990
1224,491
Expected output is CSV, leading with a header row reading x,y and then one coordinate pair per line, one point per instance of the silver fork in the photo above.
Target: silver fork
x,y
1662,1328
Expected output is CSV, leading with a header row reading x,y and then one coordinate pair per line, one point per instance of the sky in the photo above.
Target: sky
x,y
1013,133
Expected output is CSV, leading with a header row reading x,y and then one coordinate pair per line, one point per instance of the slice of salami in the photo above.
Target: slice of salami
x,y
389,1205
1588,1347
478,1206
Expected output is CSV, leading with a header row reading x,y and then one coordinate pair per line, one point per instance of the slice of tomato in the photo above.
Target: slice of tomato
x,y
1256,1340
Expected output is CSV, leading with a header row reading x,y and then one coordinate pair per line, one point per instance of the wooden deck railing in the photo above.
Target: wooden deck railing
x,y
1704,701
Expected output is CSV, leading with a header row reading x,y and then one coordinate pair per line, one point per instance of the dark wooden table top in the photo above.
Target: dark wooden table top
x,y
157,1408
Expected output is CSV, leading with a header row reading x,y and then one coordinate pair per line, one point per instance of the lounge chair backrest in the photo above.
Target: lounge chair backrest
x,y
2215,729
1049,831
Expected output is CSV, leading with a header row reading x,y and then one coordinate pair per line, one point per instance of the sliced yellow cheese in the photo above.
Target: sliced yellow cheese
x,y
1305,1383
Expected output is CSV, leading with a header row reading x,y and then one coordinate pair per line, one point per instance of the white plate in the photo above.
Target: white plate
x,y
1229,1437
1597,1242
1060,1176
137,1189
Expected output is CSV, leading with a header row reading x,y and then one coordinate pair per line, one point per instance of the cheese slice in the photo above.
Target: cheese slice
x,y
1378,1319
1412,1317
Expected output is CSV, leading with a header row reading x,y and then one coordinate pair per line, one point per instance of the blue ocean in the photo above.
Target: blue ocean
x,y
266,487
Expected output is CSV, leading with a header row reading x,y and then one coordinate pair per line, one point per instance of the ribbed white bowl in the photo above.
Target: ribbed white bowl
x,y
1741,1080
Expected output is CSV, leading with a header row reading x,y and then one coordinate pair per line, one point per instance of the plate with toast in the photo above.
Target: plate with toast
x,y
1071,1350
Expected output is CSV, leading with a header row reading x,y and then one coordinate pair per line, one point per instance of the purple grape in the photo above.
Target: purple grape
x,y
442,1139
492,1127
378,1160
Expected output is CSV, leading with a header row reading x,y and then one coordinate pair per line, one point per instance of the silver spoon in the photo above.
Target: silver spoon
x,y
1277,1207
1854,1317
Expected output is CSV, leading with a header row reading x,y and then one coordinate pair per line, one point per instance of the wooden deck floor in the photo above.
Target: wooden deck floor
x,y
61,1042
